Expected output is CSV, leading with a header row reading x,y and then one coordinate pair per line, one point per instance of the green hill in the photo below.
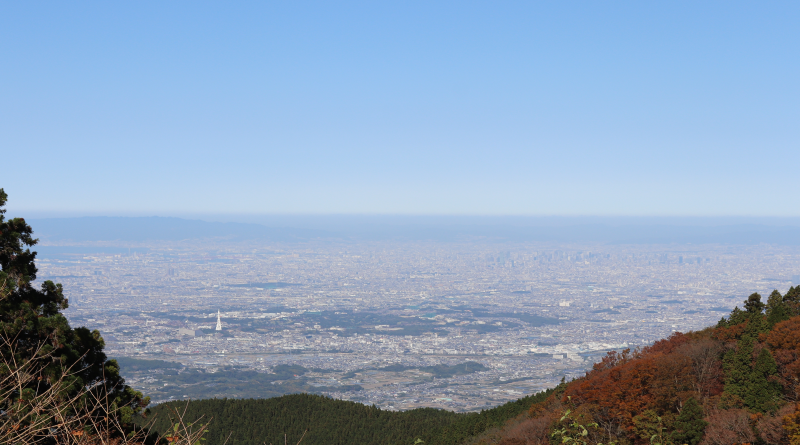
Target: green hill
x,y
330,421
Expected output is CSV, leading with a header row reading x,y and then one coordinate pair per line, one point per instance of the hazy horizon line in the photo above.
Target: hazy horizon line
x,y
42,214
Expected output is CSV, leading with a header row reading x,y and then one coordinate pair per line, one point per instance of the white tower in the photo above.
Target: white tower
x,y
219,322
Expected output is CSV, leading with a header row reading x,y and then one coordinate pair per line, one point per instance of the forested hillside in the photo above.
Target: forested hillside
x,y
736,382
329,421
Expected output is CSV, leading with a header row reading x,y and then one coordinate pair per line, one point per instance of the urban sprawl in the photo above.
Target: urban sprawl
x,y
399,325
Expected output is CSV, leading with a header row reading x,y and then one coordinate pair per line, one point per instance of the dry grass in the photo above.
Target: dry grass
x,y
35,410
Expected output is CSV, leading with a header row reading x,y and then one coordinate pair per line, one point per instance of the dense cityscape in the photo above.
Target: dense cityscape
x,y
462,326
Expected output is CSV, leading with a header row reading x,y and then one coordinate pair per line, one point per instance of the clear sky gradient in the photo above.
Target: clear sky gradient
x,y
521,108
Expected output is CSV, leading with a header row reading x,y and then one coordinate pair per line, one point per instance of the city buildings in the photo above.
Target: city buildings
x,y
370,316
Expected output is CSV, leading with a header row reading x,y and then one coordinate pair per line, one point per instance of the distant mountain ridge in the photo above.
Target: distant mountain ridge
x,y
451,229
157,228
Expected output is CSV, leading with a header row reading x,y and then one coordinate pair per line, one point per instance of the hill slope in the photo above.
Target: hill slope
x,y
329,421
733,383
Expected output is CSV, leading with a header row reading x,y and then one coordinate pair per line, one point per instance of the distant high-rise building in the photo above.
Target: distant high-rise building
x,y
680,260
796,279
219,322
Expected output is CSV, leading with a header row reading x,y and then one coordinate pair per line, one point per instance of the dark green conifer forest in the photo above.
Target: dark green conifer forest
x,y
330,421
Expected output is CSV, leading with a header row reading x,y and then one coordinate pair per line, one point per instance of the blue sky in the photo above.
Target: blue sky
x,y
480,108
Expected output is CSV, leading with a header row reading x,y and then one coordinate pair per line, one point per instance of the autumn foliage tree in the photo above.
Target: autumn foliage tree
x,y
729,384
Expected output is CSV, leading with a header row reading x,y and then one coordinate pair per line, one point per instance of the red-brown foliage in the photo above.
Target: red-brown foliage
x,y
729,333
706,366
534,430
785,335
667,345
529,432
728,427
659,378
614,358
770,428
784,342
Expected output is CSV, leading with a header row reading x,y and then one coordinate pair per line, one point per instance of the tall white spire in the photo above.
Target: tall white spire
x,y
219,322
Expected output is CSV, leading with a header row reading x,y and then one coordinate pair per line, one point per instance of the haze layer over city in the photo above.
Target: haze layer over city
x,y
462,324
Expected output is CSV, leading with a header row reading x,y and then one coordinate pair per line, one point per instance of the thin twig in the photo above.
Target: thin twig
x,y
226,439
301,437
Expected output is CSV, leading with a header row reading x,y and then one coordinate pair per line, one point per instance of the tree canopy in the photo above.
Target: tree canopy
x,y
49,372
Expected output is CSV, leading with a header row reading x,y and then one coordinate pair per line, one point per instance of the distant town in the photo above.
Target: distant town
x,y
461,326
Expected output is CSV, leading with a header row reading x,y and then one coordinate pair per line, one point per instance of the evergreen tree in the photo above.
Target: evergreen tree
x,y
777,310
792,300
37,343
763,392
737,366
792,295
737,316
753,304
750,384
689,426
756,324
649,426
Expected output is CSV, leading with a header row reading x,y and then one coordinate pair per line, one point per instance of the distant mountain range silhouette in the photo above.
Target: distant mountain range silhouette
x,y
155,228
447,229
